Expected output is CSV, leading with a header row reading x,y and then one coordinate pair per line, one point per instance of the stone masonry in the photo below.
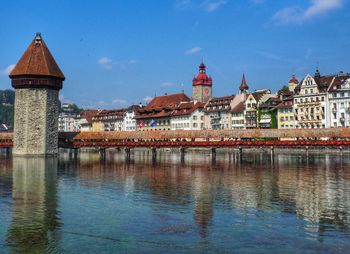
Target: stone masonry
x,y
36,122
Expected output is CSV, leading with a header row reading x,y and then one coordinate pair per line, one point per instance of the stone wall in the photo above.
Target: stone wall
x,y
36,122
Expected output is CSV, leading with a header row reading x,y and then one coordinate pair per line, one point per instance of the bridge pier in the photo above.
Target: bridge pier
x,y
102,152
154,152
240,151
272,149
8,151
213,153
76,150
182,152
127,153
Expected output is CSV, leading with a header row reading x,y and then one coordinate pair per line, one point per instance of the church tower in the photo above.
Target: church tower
x,y
202,85
37,80
292,84
244,88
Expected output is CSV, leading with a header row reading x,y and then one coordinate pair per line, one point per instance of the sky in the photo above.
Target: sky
x,y
118,53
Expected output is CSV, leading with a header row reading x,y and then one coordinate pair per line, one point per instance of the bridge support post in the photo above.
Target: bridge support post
x,y
182,152
213,153
102,152
76,150
127,153
240,151
272,148
341,150
154,152
8,151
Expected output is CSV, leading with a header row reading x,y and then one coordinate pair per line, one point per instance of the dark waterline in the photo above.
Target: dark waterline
x,y
295,203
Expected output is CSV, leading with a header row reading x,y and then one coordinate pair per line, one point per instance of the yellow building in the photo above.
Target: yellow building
x,y
108,120
285,114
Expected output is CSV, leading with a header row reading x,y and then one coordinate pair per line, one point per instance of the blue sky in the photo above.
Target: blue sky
x,y
115,53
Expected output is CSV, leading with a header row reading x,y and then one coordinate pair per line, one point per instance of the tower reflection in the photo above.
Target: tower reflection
x,y
34,210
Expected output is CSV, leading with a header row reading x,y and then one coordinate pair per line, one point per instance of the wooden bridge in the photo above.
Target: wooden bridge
x,y
334,137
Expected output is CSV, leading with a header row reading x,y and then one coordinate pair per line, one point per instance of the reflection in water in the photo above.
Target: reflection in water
x,y
193,204
34,209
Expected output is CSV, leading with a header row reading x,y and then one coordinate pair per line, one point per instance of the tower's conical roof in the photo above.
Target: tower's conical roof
x,y
37,61
244,85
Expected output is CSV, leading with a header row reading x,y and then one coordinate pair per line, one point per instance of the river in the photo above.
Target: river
x,y
293,203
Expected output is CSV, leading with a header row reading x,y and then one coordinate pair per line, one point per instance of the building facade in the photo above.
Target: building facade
x,y
157,114
108,120
188,116
339,101
218,113
310,102
285,114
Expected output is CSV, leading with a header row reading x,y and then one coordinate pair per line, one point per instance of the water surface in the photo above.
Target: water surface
x,y
296,203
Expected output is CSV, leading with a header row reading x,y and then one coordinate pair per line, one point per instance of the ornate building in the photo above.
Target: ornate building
x,y
202,85
310,101
37,80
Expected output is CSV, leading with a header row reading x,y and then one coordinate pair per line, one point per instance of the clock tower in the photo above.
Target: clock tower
x,y
202,85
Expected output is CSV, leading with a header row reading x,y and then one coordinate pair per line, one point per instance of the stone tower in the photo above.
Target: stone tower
x,y
202,85
37,80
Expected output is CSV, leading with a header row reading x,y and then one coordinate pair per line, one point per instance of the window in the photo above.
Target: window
x,y
311,90
194,117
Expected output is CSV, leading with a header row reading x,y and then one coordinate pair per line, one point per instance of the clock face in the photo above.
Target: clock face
x,y
206,90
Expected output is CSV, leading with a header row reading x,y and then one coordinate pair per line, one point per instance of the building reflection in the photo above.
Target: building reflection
x,y
313,188
34,209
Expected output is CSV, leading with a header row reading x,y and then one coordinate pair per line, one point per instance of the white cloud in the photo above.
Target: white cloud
x,y
211,6
168,84
147,99
298,15
7,70
119,101
207,5
132,61
105,62
193,51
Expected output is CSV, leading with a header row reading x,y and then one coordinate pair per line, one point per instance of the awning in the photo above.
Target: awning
x,y
265,121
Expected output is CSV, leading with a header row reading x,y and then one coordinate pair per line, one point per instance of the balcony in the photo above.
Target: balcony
x,y
334,110
342,119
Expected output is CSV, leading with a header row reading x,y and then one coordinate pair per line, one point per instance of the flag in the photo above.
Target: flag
x,y
153,123
141,124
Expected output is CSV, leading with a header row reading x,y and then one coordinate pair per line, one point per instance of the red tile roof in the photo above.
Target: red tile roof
x,y
239,108
89,114
162,106
187,108
37,60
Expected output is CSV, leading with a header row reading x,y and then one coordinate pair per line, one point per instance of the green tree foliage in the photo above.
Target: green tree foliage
x,y
6,115
7,97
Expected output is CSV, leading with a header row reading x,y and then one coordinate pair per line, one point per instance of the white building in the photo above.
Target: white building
x,y
68,122
188,116
339,101
129,118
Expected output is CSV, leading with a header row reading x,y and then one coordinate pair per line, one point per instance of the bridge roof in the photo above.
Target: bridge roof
x,y
217,134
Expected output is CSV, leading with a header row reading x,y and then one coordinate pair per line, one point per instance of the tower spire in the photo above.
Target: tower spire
x,y
244,86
